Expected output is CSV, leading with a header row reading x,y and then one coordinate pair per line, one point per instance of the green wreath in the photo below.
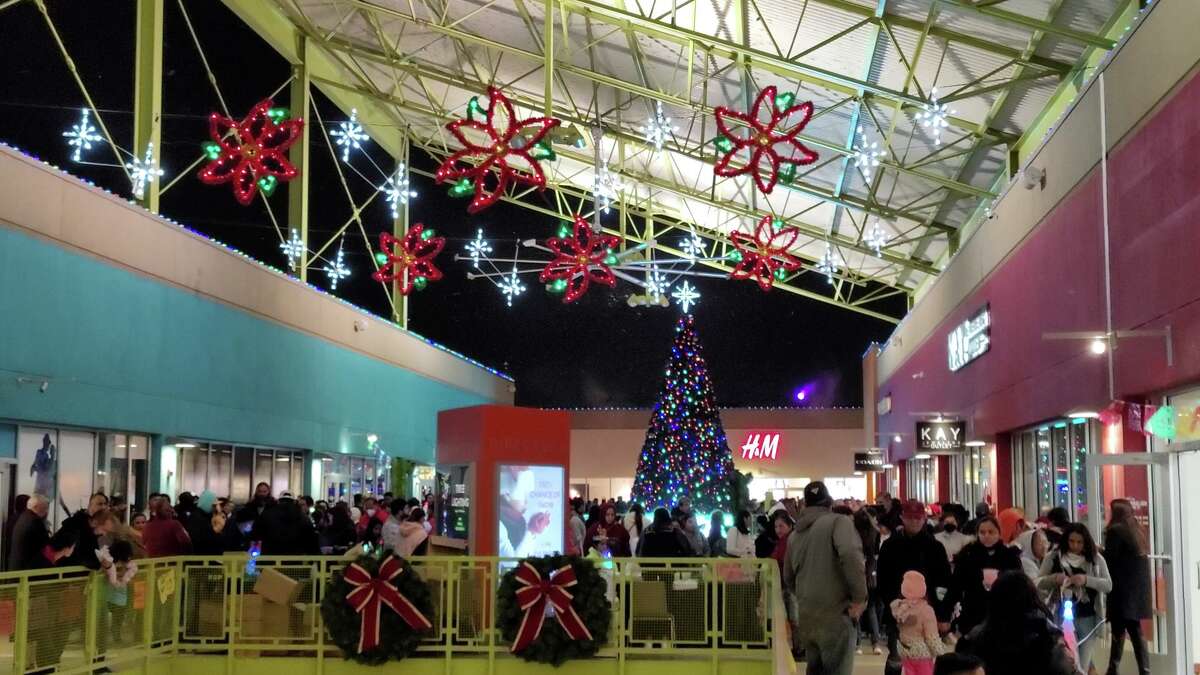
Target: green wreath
x,y
553,645
397,639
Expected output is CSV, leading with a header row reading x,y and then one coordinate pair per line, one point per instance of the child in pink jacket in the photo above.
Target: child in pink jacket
x,y
920,643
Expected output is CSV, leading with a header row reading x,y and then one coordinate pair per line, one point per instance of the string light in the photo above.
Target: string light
x,y
607,187
658,128
398,190
866,155
293,249
143,172
657,285
685,296
692,246
349,135
338,270
828,264
934,117
478,248
82,135
511,286
876,238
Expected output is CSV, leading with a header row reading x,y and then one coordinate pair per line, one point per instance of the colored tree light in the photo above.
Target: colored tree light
x,y
81,136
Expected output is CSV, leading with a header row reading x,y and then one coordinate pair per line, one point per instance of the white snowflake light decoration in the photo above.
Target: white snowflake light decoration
x,y
143,172
692,246
398,190
337,271
511,287
828,264
935,117
685,296
349,135
293,249
657,285
607,188
658,128
866,155
81,136
876,238
478,248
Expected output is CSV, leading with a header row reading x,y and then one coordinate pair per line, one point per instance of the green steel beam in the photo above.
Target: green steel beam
x,y
297,190
1047,27
147,90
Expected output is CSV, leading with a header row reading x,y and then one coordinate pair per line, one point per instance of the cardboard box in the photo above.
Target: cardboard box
x,y
276,587
252,605
210,618
275,620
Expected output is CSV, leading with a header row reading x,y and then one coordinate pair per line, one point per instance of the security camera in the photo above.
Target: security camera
x,y
1033,177
44,387
360,325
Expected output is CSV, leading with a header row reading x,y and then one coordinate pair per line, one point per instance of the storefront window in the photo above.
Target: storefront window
x,y
1045,470
233,472
1079,451
243,470
922,479
1050,467
1062,465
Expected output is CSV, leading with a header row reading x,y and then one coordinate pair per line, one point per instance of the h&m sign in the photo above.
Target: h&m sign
x,y
941,436
761,445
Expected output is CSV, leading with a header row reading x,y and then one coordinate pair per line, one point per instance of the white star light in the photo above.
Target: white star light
x,y
143,171
692,246
657,285
934,116
686,296
876,238
81,136
349,135
337,271
828,264
293,249
398,190
658,128
866,155
478,248
511,287
607,187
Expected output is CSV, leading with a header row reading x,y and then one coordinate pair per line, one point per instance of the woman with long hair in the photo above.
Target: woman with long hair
x,y
716,535
635,524
739,543
1077,573
608,531
976,569
1018,635
868,532
1126,551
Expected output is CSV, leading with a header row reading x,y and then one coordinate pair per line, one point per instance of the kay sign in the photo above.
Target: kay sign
x,y
941,436
761,445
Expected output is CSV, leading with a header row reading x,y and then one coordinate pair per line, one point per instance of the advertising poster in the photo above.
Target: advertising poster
x,y
530,511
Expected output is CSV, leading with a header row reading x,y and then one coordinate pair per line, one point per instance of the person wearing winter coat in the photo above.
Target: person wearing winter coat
x,y
716,535
950,537
920,642
765,542
1076,572
825,572
663,539
739,543
976,570
1125,550
691,530
1019,635
609,531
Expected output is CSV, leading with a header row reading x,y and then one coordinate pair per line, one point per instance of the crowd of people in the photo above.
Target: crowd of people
x,y
941,589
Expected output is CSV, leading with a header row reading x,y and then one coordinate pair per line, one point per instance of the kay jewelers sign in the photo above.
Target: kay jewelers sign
x,y
970,339
941,436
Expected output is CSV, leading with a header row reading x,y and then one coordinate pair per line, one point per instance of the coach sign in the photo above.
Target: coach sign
x,y
871,460
943,436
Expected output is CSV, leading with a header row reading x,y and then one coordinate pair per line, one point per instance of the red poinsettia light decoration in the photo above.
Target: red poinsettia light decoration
x,y
409,260
580,260
251,154
766,254
496,152
767,142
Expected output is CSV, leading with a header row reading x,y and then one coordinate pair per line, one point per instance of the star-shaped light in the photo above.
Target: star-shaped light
x,y
81,136
768,141
478,248
511,287
606,188
934,116
143,171
293,249
338,270
398,190
866,155
876,238
685,296
692,246
658,128
349,135
828,264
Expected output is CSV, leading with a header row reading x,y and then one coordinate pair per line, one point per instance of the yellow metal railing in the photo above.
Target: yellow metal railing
x,y
70,620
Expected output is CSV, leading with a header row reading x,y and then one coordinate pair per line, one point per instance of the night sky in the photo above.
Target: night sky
x,y
597,352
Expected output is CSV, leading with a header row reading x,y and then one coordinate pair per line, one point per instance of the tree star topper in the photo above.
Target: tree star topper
x,y
503,147
772,126
251,154
410,260
580,260
765,253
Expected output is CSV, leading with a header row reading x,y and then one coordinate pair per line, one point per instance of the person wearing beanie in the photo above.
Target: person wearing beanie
x,y
920,642
911,549
825,572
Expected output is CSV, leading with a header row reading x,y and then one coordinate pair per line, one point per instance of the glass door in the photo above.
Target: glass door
x,y
1146,481
1186,472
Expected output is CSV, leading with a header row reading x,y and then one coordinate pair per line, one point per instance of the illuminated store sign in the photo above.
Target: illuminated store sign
x,y
761,445
871,460
941,436
970,339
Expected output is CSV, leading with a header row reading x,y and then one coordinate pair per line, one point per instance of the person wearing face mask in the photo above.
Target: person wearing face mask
x,y
977,567
950,537
1076,572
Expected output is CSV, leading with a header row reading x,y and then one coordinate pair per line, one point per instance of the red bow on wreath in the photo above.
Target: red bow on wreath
x,y
369,592
533,595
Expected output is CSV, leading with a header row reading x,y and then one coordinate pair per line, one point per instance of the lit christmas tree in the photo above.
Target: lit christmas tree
x,y
685,454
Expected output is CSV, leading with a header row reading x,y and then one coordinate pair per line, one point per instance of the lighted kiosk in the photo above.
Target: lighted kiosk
x,y
501,480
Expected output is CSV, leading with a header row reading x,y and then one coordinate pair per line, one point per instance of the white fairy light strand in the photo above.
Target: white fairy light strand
x,y
143,172
478,248
866,155
876,238
657,285
658,128
511,287
934,116
82,135
398,190
293,249
692,246
607,187
338,270
349,135
828,264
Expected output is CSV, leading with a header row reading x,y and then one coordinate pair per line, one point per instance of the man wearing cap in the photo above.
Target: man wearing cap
x,y
825,572
912,548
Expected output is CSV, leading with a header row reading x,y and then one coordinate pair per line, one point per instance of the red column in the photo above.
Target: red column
x,y
903,479
1002,481
943,478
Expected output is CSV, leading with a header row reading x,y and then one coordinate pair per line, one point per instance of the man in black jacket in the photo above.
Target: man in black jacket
x,y
30,536
912,547
85,535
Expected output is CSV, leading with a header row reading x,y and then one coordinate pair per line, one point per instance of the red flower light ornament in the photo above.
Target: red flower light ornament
x,y
409,260
580,260
252,153
766,252
769,138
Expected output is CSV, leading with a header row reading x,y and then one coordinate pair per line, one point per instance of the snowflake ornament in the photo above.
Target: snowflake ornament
x,y
606,188
251,154
692,246
866,155
338,270
657,285
658,128
350,135
81,136
686,296
478,248
293,249
143,172
934,117
398,190
580,260
769,139
876,238
827,265
765,253
410,260
511,287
